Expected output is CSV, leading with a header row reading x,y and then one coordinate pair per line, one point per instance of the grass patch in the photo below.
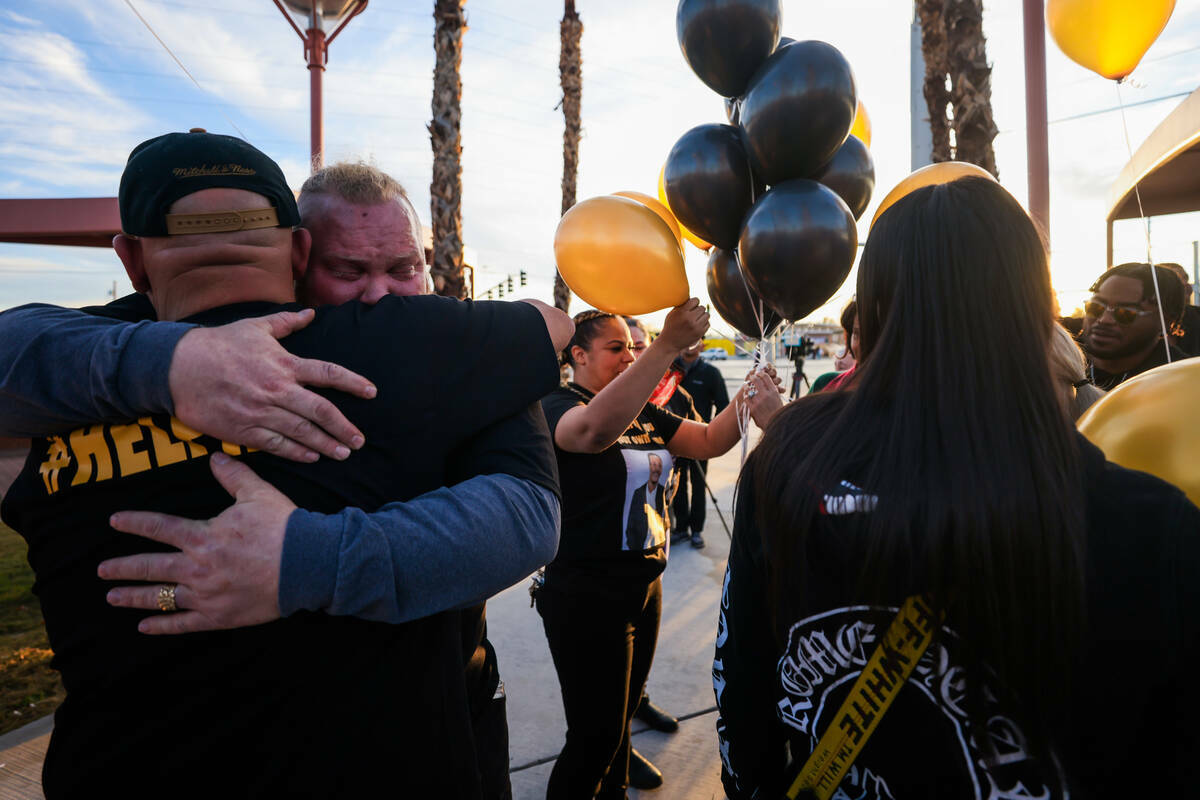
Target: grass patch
x,y
28,687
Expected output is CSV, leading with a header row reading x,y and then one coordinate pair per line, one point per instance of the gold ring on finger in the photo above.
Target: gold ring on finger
x,y
166,597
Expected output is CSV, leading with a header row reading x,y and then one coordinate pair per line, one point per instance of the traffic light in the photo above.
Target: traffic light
x,y
510,286
522,277
489,294
500,290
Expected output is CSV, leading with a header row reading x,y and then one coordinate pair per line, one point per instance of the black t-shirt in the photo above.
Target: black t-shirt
x,y
1132,730
614,524
1156,358
309,705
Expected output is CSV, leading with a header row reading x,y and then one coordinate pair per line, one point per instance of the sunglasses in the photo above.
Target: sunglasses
x,y
1122,314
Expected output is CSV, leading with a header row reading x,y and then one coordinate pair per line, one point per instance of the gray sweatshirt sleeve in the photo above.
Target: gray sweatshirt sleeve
x,y
450,548
60,368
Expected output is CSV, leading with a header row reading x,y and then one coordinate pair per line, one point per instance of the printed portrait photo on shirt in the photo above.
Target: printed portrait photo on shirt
x,y
647,495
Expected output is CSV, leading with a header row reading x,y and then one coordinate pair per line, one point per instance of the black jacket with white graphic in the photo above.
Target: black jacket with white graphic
x,y
1135,715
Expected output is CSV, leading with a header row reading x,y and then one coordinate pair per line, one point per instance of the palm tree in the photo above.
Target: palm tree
x,y
955,52
571,77
937,97
970,83
445,190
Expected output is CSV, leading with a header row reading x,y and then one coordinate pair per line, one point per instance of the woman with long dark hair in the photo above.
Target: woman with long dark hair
x,y
952,474
601,600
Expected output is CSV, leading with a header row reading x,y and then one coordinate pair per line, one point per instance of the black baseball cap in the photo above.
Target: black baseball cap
x,y
163,169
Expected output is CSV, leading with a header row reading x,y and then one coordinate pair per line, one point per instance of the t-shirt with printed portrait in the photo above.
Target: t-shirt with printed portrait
x,y
615,502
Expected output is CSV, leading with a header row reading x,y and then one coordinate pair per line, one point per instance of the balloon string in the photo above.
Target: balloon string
x,y
756,306
755,302
1162,320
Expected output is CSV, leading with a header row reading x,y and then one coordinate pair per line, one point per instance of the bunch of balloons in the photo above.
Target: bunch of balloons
x,y
778,190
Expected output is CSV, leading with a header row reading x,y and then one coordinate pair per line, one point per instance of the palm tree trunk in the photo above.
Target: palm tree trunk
x,y
933,49
971,83
571,77
955,52
445,191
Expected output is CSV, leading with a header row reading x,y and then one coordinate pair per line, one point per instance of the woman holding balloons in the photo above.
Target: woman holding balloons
x,y
602,595
1049,616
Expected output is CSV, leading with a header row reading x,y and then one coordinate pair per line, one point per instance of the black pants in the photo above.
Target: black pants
x,y
602,646
490,726
689,505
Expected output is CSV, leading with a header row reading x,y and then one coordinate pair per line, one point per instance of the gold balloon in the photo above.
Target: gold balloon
x,y
862,124
662,197
942,172
658,208
1150,423
1108,37
619,256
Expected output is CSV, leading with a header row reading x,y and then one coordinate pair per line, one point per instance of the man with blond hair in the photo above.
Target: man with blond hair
x,y
367,239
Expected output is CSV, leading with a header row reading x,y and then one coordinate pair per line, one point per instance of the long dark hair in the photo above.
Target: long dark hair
x,y
955,426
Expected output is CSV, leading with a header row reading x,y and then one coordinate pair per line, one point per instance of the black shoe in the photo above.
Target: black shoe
x,y
643,774
697,541
679,536
655,717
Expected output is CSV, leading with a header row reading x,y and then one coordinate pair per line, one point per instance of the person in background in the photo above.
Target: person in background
x,y
600,600
1189,341
1122,333
642,772
705,386
846,359
798,353
989,516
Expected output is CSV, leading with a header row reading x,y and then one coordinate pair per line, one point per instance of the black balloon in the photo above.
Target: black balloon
x,y
798,110
797,246
708,182
851,174
725,41
733,299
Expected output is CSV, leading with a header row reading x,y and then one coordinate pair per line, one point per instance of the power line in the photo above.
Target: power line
x,y
180,63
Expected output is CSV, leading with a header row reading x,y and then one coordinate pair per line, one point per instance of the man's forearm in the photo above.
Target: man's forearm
x,y
60,368
450,548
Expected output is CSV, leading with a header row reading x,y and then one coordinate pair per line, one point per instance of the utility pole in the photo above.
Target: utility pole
x,y
1036,132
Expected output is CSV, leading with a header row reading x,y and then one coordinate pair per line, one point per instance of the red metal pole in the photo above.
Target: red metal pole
x,y
1036,136
314,48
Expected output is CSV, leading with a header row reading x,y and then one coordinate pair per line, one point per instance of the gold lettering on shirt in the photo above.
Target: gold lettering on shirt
x,y
92,453
166,452
58,458
88,444
125,437
183,432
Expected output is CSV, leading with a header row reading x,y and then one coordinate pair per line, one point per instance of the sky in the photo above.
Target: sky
x,y
83,81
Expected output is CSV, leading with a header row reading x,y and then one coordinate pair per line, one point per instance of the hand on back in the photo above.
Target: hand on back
x,y
237,383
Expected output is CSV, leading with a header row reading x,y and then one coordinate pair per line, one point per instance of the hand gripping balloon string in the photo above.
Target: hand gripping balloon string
x,y
744,411
1162,320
